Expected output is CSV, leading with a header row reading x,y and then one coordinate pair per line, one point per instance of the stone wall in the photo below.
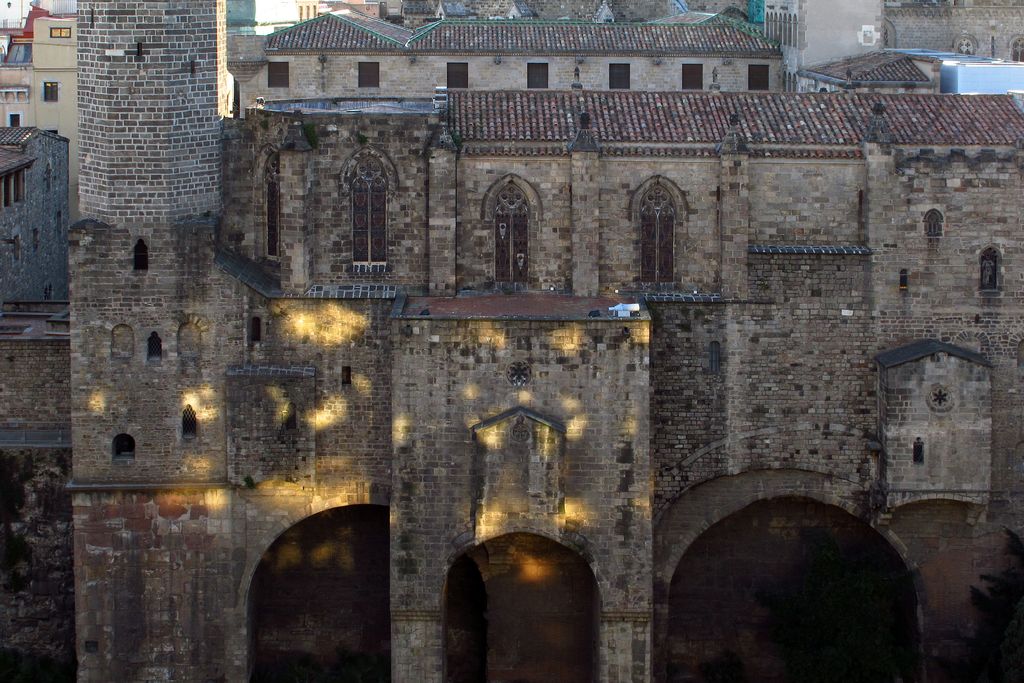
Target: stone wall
x,y
416,75
35,264
990,27
35,382
37,596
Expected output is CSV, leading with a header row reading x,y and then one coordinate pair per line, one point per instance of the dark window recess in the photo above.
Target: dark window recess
x,y
346,374
277,75
123,447
369,212
154,347
369,74
715,357
189,423
918,451
537,75
50,91
933,223
657,236
458,74
290,421
904,279
14,120
757,77
255,329
141,257
618,76
693,76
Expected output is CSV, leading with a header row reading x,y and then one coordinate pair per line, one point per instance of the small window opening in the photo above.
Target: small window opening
x,y
346,375
989,269
123,447
255,330
154,347
904,279
141,261
933,223
715,357
290,422
189,423
918,451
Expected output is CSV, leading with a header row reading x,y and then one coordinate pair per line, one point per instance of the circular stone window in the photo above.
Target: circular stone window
x,y
519,374
940,398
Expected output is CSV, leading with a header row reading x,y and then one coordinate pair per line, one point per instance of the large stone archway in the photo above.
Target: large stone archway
x,y
321,591
521,607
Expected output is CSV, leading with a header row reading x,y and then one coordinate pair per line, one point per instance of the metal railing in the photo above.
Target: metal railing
x,y
60,7
35,435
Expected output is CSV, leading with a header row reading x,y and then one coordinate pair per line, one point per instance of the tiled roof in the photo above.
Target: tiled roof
x,y
12,161
16,136
926,347
812,249
583,37
348,31
872,67
765,118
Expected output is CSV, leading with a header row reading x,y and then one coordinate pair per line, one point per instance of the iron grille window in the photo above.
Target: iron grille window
x,y
511,236
189,423
933,223
757,77
277,75
657,236
537,75
369,74
154,347
618,76
458,74
123,447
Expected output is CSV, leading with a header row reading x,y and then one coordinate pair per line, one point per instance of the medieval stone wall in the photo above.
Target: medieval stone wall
x,y
34,383
991,28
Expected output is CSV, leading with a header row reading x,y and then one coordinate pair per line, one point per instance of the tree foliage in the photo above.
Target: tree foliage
x,y
843,624
996,602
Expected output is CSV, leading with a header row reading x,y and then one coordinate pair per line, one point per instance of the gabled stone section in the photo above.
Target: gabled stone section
x,y
935,424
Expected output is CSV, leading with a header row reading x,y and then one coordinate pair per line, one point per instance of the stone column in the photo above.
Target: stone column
x,y
441,221
417,653
625,647
734,212
295,180
586,210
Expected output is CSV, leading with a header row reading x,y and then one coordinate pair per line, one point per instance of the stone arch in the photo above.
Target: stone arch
x,y
1017,48
658,211
267,167
322,584
975,340
527,589
490,201
349,167
890,37
710,502
678,196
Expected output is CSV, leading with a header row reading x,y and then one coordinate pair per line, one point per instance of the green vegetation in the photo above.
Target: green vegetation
x,y
996,602
16,667
842,624
348,668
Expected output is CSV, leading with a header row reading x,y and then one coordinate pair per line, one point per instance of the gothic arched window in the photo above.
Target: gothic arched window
x,y
933,223
989,269
189,423
141,256
369,212
511,236
154,347
273,204
657,236
1017,49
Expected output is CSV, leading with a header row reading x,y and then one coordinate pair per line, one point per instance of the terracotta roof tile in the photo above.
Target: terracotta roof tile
x,y
872,67
765,118
582,37
16,135
350,31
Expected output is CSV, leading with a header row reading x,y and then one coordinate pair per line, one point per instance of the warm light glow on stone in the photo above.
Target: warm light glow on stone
x,y
471,392
525,397
331,325
333,411
400,430
533,570
216,499
98,402
202,401
362,383
571,404
568,339
574,429
489,334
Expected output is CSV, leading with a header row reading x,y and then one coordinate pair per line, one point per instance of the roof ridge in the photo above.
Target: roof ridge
x,y
352,22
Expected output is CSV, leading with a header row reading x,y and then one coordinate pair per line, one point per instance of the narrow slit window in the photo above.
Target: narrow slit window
x,y
715,357
904,279
141,256
918,451
189,423
255,329
346,375
290,421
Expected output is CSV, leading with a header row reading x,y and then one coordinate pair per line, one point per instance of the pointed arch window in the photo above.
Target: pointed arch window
x,y
933,222
657,236
989,267
511,236
189,423
141,256
154,347
1017,49
272,186
369,187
